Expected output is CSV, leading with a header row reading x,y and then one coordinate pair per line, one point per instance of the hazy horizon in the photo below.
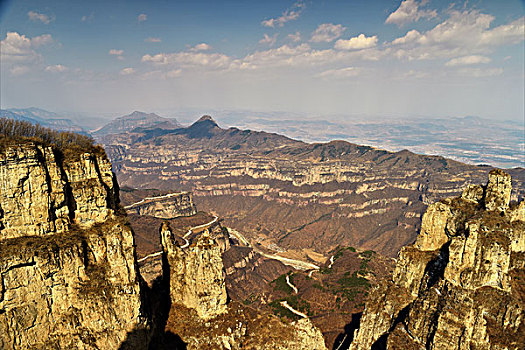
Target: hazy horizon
x,y
314,58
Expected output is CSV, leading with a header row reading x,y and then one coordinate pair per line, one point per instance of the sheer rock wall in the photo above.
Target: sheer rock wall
x,y
68,274
460,285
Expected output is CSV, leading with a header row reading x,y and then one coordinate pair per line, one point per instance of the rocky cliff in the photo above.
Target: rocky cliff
x,y
196,272
68,274
200,313
164,207
460,285
42,193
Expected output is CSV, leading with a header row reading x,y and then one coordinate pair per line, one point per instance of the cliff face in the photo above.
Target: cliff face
x,y
68,276
42,194
460,285
165,207
196,273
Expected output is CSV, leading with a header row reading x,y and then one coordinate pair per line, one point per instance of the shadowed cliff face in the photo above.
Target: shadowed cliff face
x,y
68,275
460,285
294,195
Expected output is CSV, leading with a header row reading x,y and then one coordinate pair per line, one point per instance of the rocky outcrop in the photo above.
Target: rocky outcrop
x,y
68,275
460,286
196,273
42,194
165,207
199,312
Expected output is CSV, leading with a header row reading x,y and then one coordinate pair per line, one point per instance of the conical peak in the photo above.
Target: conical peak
x,y
205,118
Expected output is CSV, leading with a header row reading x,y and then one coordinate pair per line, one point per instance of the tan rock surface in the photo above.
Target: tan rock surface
x,y
68,274
469,294
196,273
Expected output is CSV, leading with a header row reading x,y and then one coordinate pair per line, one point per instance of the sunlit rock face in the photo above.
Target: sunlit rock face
x,y
200,312
196,273
460,286
41,193
68,276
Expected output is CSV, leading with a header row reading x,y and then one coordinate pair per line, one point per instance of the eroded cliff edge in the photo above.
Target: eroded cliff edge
x,y
68,273
460,285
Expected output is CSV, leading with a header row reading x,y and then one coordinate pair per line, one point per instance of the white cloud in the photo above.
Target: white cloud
x,y
327,32
289,15
142,17
467,60
464,33
408,12
174,73
340,73
127,71
189,59
201,47
411,36
511,33
35,16
88,18
116,52
152,40
268,40
21,49
480,73
57,68
356,43
41,40
300,56
295,37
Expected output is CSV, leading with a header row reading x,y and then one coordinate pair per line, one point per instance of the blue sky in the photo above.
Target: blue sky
x,y
369,58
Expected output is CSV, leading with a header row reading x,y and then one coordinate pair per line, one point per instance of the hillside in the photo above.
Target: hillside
x,y
41,117
303,198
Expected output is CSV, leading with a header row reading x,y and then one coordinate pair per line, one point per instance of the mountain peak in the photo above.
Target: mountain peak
x,y
206,118
205,121
203,127
140,115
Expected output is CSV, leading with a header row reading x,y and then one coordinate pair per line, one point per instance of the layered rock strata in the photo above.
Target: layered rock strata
x,y
165,207
287,192
460,285
68,274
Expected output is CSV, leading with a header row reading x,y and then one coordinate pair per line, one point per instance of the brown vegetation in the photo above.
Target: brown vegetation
x,y
68,143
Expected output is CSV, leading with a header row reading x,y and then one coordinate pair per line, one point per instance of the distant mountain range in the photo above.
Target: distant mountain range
x,y
137,120
42,117
467,139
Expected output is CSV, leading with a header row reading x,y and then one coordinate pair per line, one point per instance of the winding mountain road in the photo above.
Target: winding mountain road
x,y
298,313
147,199
185,238
298,264
290,284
